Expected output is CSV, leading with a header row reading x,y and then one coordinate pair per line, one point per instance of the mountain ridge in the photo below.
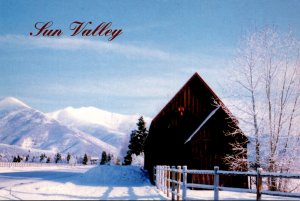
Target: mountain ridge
x,y
76,130
28,128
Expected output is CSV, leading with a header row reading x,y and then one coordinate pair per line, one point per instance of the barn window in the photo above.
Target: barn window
x,y
181,110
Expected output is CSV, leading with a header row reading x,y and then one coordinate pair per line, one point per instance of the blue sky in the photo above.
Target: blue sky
x,y
163,43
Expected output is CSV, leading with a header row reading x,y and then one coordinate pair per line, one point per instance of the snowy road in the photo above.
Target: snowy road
x,y
84,182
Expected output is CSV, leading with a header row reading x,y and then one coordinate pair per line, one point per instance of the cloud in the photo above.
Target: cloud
x,y
152,79
68,43
126,87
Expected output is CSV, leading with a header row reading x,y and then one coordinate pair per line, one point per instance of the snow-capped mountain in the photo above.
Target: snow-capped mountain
x,y
111,128
29,128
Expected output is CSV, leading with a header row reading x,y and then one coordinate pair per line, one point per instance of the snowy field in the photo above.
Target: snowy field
x,y
79,182
90,182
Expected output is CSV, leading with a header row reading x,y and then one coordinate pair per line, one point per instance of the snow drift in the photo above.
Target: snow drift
x,y
105,175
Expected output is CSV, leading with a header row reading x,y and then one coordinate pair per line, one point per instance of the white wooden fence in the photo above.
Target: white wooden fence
x,y
15,164
173,182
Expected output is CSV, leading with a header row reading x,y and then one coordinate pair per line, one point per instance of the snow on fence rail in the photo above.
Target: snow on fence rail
x,y
173,181
15,164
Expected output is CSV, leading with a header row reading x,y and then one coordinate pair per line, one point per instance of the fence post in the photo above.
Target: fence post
x,y
173,183
258,184
216,183
161,178
168,181
178,181
157,176
184,182
165,179
154,175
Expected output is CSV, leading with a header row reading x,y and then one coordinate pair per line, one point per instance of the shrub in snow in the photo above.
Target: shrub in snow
x,y
138,160
118,162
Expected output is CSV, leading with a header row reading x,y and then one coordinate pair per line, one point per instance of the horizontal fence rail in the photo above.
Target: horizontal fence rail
x,y
16,164
173,182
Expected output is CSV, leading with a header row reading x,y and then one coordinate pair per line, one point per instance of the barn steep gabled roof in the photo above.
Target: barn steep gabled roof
x,y
196,76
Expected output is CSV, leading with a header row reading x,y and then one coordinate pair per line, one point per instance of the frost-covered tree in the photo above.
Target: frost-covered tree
x,y
137,141
108,160
267,78
138,160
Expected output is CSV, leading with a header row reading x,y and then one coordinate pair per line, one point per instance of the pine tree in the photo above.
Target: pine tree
x,y
27,158
137,140
15,159
42,157
68,157
57,157
85,160
103,158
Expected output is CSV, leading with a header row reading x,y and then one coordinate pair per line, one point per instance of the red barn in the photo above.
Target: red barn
x,y
191,130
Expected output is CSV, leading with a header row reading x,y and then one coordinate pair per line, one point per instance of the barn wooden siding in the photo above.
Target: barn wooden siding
x,y
179,119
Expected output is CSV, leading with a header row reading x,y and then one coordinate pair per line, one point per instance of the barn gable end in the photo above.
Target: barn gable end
x,y
179,119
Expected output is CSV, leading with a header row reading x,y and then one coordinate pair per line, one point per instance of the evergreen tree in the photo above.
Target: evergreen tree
x,y
85,160
57,157
27,158
19,159
103,158
137,140
68,157
42,157
15,159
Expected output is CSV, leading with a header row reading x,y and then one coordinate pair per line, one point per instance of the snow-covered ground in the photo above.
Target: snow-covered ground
x,y
77,182
91,182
